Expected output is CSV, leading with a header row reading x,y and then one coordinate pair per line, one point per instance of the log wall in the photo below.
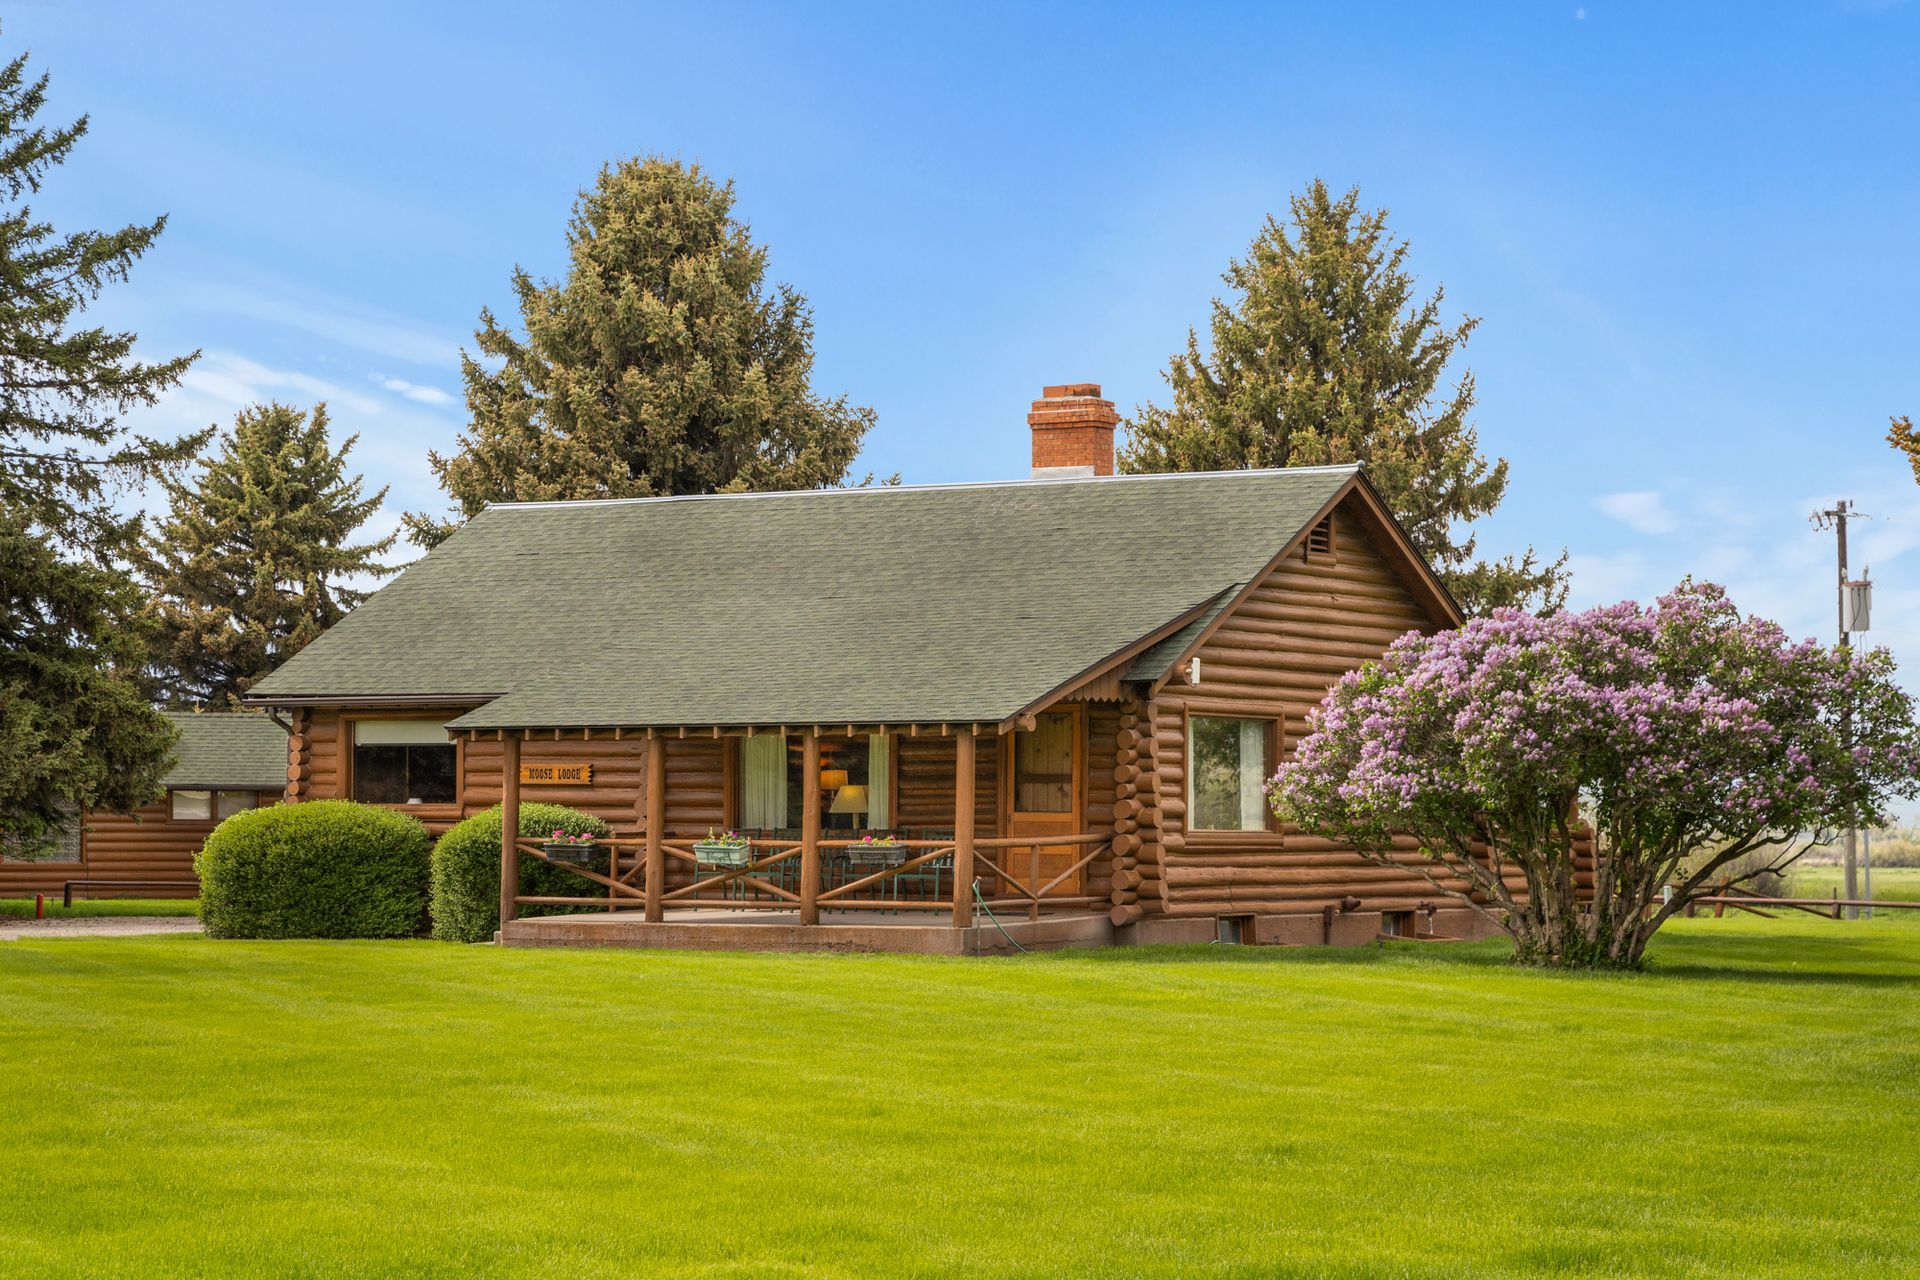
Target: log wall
x,y
145,845
1315,617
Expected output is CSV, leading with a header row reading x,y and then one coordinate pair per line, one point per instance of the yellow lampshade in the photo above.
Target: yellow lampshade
x,y
850,800
832,779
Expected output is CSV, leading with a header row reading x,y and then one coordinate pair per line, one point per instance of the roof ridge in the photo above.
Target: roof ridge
x,y
1342,468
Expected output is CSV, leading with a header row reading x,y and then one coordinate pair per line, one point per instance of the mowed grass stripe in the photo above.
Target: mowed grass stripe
x,y
188,1106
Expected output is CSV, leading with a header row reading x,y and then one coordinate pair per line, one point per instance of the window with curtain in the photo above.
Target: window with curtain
x,y
1043,765
1227,773
403,762
856,776
763,782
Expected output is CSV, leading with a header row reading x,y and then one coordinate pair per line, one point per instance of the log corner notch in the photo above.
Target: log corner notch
x,y
1133,746
509,830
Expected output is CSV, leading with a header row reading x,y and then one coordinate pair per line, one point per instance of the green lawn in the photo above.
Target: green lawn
x,y
22,908
1894,884
178,1106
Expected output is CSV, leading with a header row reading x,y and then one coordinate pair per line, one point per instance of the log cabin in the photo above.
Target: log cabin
x,y
223,763
949,717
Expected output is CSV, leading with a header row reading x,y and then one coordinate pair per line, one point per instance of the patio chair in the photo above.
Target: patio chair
x,y
928,874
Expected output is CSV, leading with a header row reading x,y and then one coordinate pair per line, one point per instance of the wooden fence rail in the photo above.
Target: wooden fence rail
x,y
626,891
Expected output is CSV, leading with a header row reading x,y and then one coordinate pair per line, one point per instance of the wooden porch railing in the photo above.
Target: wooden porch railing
x,y
628,891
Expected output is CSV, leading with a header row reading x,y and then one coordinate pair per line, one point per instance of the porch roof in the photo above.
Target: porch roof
x,y
882,605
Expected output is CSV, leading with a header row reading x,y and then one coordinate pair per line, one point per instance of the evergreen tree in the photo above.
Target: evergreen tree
x,y
1325,356
1906,441
75,728
251,561
660,365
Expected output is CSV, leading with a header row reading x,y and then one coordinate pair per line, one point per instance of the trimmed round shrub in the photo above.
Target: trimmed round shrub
x,y
319,869
466,870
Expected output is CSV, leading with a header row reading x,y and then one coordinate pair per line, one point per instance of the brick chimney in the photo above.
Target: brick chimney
x,y
1072,432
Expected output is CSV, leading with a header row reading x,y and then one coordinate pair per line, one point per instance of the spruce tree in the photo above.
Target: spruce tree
x,y
75,727
1328,355
254,557
661,364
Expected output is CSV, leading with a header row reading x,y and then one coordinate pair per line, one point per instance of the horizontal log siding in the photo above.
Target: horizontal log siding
x,y
1311,621
925,778
148,845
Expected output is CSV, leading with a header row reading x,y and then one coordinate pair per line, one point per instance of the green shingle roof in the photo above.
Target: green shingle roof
x,y
239,751
943,602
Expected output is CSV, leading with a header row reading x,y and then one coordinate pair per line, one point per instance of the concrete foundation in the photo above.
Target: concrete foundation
x,y
860,931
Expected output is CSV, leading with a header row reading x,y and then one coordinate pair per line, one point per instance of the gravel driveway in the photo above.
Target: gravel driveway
x,y
97,927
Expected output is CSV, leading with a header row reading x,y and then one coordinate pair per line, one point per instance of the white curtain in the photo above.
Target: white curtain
x,y
764,781
1253,775
879,779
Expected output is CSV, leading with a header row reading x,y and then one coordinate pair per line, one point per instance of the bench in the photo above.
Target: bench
x,y
66,899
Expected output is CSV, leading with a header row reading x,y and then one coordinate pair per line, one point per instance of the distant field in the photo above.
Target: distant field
x,y
1895,884
182,1106
23,907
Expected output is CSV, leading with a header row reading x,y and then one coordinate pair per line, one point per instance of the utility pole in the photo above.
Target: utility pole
x,y
1836,519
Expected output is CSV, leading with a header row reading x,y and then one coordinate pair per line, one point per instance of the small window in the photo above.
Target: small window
x,y
403,762
1227,773
1235,931
228,803
1396,924
1320,539
192,806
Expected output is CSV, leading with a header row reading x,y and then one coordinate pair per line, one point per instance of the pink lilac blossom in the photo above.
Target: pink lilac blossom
x,y
1685,712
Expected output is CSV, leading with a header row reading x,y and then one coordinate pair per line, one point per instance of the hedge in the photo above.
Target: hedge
x,y
321,869
466,870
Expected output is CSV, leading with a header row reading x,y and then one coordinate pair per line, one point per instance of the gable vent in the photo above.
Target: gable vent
x,y
1320,539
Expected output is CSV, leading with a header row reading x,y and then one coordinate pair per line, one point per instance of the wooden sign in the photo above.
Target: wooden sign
x,y
557,775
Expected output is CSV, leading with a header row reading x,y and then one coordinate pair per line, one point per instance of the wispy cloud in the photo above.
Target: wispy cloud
x,y
336,320
1642,510
412,390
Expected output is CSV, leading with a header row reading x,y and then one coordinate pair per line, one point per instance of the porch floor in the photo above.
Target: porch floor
x,y
719,929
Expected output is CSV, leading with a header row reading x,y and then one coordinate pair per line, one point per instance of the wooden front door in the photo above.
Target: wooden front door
x,y
1044,794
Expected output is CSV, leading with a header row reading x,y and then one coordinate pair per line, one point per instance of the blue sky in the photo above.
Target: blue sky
x,y
1689,229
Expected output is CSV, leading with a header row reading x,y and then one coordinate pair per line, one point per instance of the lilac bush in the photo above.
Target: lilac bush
x,y
1667,743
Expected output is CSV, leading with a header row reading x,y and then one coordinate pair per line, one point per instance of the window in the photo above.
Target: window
x,y
192,806
403,762
856,779
228,803
1043,765
1227,773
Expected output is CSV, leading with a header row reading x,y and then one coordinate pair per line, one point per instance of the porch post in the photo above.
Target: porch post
x,y
963,755
656,854
509,825
810,827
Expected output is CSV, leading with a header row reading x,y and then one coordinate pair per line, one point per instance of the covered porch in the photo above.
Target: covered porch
x,y
1012,856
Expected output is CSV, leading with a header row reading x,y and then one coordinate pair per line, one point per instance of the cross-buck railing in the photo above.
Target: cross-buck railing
x,y
747,887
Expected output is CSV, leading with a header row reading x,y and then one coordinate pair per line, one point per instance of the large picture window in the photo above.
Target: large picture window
x,y
856,777
1227,770
403,762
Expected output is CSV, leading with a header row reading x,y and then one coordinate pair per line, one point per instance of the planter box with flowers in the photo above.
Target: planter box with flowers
x,y
729,850
882,851
578,850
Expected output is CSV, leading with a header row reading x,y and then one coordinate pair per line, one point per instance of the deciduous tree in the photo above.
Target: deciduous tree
x,y
661,364
1690,736
75,728
1325,354
255,557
